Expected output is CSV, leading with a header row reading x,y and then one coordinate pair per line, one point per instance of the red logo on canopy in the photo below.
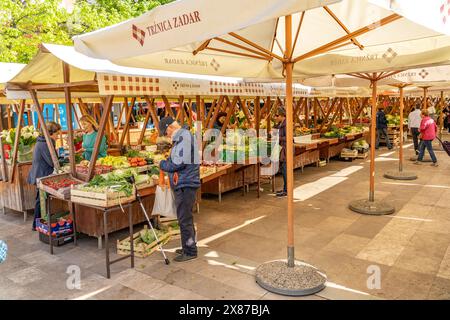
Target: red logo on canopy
x,y
139,35
445,11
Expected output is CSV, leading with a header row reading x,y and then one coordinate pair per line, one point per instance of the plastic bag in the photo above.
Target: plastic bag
x,y
164,203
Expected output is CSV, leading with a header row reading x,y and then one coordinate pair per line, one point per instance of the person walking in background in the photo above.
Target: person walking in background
x,y
90,128
382,129
42,165
414,119
428,131
281,126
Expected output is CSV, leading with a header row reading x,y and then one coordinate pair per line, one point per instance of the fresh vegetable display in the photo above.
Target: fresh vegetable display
x,y
395,120
115,162
113,182
137,162
336,132
360,145
303,131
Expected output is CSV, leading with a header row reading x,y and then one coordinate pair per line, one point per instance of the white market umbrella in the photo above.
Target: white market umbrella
x,y
266,38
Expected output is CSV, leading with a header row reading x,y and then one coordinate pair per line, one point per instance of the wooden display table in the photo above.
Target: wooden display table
x,y
234,177
306,154
19,195
90,219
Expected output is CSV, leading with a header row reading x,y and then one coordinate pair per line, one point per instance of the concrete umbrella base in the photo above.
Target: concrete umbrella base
x,y
376,208
400,175
300,280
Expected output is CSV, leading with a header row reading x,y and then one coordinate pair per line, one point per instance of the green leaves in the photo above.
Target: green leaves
x,y
24,27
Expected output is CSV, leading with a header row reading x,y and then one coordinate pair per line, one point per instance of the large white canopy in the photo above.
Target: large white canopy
x,y
8,71
46,68
342,37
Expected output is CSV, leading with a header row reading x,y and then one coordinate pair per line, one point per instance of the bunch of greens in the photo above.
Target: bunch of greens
x,y
116,181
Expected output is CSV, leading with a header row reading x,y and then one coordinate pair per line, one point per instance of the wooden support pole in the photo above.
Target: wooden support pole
x,y
373,129
216,112
44,128
70,137
200,109
400,157
245,110
119,122
441,115
168,107
210,113
151,107
289,143
101,130
325,120
315,111
230,112
189,112
8,111
127,126
338,110
307,113
147,118
16,141
266,107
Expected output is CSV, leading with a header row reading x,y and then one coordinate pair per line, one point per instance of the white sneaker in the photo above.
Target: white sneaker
x,y
435,164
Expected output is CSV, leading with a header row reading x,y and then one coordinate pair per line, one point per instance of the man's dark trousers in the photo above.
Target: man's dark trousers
x,y
415,135
283,169
184,200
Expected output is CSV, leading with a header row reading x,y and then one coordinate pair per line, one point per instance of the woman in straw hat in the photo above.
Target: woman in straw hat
x,y
90,128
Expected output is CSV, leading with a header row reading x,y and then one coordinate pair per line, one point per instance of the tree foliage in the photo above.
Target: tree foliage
x,y
24,24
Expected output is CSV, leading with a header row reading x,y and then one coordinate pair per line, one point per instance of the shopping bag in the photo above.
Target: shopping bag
x,y
164,203
445,145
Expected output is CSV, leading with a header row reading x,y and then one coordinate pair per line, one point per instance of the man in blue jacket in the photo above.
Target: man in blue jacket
x,y
382,129
183,167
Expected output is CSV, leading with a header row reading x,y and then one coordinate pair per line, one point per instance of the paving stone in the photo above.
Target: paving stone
x,y
403,284
119,292
440,289
444,268
26,276
417,260
347,244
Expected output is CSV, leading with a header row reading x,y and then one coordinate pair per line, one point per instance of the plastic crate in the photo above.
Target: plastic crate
x,y
57,228
56,243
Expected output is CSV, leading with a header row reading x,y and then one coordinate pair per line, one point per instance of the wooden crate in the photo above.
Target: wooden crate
x,y
362,155
63,193
175,234
97,199
141,249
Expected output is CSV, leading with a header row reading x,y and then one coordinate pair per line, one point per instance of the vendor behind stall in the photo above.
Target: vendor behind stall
x,y
42,165
90,128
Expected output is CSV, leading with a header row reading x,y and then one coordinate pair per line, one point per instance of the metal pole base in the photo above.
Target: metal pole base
x,y
400,175
300,280
376,208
